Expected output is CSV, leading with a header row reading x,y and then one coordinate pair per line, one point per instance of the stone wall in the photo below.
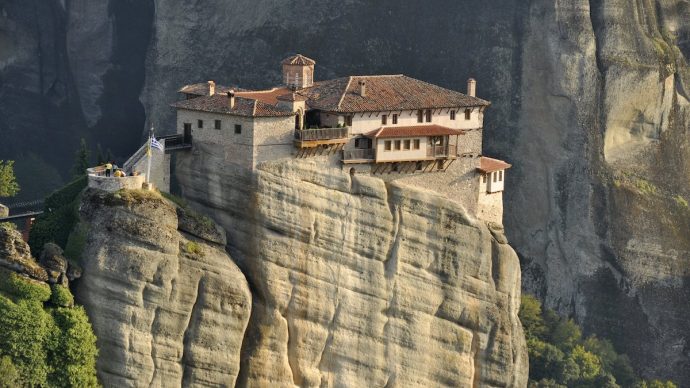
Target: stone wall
x,y
160,169
490,206
273,138
112,184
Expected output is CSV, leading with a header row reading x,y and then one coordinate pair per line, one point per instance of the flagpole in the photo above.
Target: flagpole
x,y
148,154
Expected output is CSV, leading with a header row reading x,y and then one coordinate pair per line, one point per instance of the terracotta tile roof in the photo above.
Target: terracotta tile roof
x,y
491,165
383,93
218,103
298,59
291,97
201,89
411,131
269,96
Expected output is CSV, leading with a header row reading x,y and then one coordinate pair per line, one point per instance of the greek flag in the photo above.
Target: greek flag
x,y
156,144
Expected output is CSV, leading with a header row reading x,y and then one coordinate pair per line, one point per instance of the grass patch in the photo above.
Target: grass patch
x,y
646,187
192,248
681,202
129,197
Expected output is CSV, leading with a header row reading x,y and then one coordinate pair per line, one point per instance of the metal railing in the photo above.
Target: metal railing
x,y
441,151
173,142
321,134
134,159
359,154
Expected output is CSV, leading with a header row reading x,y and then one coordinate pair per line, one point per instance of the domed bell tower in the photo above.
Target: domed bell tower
x,y
298,72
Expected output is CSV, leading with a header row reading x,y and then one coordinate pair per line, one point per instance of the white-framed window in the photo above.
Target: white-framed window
x,y
452,115
387,145
395,118
406,144
397,145
415,144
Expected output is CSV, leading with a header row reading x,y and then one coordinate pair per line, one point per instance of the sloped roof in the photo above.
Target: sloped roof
x,y
218,103
298,59
269,96
487,165
383,93
412,131
201,89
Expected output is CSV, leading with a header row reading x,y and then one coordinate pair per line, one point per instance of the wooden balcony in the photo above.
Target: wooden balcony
x,y
310,138
359,156
442,152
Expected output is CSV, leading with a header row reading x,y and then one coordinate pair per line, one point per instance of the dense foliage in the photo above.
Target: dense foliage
x,y
42,344
81,160
59,217
560,357
8,183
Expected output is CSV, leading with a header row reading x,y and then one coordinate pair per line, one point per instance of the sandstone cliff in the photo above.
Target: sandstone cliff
x,y
167,304
356,283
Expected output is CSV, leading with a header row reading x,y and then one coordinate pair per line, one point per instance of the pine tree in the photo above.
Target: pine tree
x,y
81,160
8,183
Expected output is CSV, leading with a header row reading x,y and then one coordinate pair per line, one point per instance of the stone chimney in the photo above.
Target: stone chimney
x,y
211,88
363,88
231,99
472,87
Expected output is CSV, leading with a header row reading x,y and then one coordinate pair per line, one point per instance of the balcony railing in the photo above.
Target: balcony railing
x,y
442,151
359,154
321,134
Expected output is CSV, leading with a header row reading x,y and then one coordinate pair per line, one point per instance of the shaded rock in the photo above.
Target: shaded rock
x,y
55,264
169,309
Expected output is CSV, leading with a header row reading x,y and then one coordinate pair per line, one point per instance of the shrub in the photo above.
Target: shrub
x,y
681,201
192,247
61,296
74,349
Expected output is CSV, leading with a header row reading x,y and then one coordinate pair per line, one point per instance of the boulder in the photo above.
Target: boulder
x,y
55,263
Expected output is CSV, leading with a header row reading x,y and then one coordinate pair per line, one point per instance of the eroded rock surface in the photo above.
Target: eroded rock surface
x,y
169,308
360,284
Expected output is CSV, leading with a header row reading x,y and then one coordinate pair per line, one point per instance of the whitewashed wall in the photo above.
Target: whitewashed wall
x,y
411,154
366,122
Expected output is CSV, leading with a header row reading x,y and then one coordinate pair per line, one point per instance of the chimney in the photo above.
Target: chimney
x,y
211,88
472,87
363,88
231,99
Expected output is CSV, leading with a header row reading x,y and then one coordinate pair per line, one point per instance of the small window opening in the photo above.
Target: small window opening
x,y
483,178
387,145
217,124
238,128
452,115
200,123
500,176
384,119
406,145
395,118
468,114
495,175
416,144
348,121
420,116
397,145
428,115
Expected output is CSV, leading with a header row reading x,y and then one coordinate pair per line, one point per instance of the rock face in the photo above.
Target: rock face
x,y
167,304
360,284
15,255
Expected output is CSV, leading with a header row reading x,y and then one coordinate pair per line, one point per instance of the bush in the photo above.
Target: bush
x,y
74,352
76,242
61,296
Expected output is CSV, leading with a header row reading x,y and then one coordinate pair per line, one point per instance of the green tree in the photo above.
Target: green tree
x,y
588,363
531,317
8,183
81,160
100,158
